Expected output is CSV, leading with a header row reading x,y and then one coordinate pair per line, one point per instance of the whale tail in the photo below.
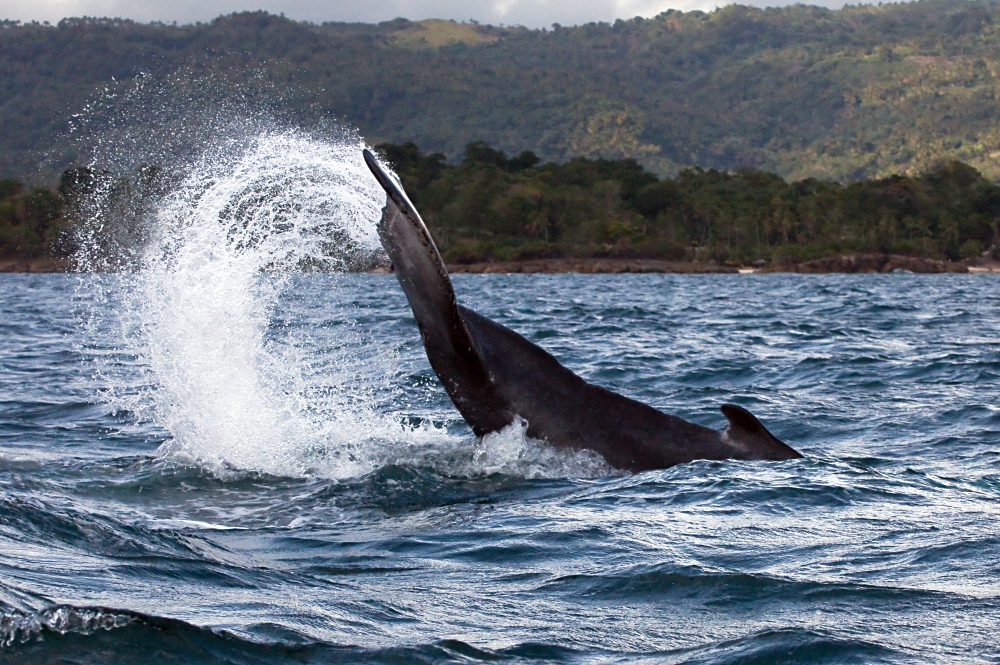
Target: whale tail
x,y
747,434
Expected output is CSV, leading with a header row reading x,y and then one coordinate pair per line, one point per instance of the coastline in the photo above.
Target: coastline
x,y
847,264
36,264
590,266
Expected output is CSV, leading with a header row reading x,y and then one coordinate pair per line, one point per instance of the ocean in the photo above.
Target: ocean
x,y
282,479
218,444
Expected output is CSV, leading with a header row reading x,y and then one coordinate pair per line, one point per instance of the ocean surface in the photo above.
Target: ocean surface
x,y
251,468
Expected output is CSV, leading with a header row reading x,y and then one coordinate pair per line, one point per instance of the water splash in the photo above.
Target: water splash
x,y
216,255
224,243
19,627
511,452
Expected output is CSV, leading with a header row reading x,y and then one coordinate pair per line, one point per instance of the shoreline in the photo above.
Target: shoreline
x,y
845,264
36,265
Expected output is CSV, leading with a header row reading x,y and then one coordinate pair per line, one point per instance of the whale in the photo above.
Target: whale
x,y
494,376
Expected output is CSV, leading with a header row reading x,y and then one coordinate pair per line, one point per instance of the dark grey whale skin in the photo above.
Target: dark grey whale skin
x,y
493,375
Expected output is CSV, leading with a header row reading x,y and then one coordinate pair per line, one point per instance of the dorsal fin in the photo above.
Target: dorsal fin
x,y
751,438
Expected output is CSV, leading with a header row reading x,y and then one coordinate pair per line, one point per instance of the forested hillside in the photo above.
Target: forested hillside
x,y
801,91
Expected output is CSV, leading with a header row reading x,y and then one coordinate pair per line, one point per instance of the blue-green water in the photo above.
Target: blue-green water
x,y
292,485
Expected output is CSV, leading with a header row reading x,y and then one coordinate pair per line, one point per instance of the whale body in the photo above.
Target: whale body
x,y
494,375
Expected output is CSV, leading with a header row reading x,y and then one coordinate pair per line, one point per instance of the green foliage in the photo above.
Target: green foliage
x,y
494,207
10,188
864,91
971,249
484,208
42,222
30,222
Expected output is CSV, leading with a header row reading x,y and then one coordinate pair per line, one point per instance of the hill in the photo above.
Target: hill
x,y
801,91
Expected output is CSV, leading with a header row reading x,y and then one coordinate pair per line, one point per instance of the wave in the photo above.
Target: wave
x,y
93,634
686,584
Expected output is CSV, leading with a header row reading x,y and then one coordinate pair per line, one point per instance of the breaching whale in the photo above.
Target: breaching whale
x,y
494,375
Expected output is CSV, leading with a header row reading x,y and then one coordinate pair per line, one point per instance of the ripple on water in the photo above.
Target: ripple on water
x,y
378,529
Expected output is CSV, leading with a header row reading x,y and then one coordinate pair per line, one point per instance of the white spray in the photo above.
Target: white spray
x,y
221,248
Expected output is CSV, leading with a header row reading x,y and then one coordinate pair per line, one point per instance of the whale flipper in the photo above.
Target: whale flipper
x,y
493,374
424,278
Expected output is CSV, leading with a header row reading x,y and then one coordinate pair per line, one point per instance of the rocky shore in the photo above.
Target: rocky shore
x,y
590,266
848,263
858,263
37,264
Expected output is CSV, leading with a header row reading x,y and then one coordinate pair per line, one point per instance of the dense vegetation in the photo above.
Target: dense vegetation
x,y
865,91
32,222
494,207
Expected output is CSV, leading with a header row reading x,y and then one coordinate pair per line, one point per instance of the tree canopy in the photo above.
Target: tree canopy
x,y
493,207
490,206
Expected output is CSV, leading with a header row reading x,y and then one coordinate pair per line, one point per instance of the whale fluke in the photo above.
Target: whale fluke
x,y
493,374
